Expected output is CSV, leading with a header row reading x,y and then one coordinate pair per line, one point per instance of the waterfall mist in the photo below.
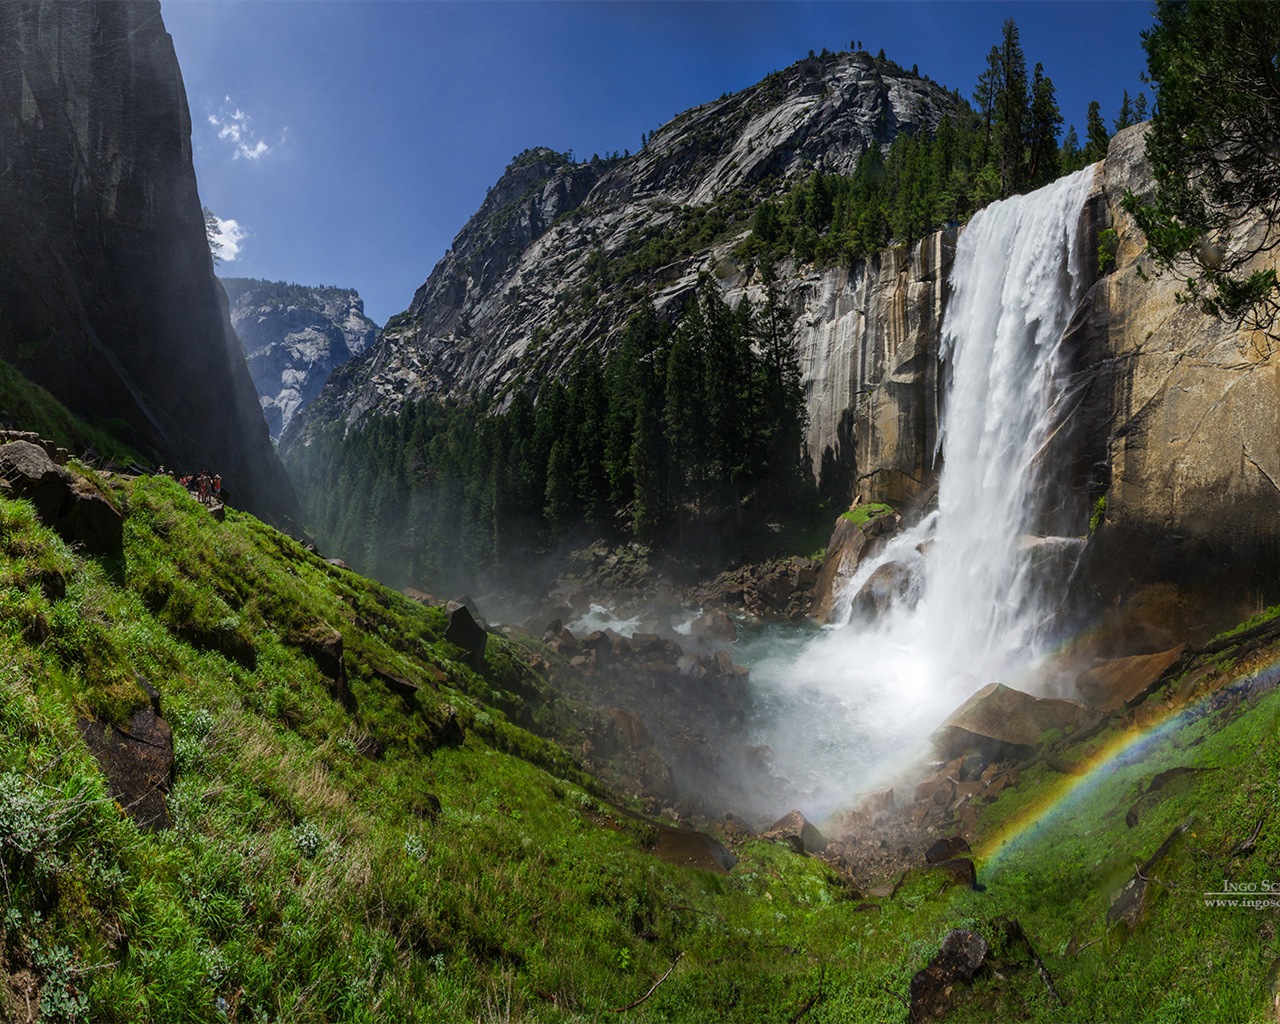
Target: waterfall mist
x,y
977,589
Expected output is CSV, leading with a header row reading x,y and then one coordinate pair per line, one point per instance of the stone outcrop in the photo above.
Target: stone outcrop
x,y
850,543
520,290
64,501
106,282
294,337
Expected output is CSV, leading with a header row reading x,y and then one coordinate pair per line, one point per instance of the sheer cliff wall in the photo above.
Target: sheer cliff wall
x,y
107,292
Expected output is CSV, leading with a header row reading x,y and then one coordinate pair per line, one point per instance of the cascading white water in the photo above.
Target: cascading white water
x,y
863,697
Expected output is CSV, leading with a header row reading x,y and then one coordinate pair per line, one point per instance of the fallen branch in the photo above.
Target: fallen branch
x,y
813,1000
890,992
632,1006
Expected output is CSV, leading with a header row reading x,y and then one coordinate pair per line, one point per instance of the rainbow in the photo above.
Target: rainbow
x,y
1059,799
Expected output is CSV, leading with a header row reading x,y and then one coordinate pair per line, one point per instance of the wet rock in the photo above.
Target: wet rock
x,y
962,955
960,870
465,632
889,585
691,665
1002,723
1120,681
849,544
714,625
946,849
137,760
798,832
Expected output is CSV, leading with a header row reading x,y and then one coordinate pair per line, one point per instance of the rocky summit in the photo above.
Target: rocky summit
x,y
294,337
560,251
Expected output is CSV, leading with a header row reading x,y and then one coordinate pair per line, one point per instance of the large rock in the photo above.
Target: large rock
x,y
1120,681
64,501
962,955
890,584
106,281
798,832
849,544
1000,722
465,632
137,760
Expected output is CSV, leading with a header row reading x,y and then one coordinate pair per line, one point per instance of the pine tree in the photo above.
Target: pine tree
x,y
1042,130
1096,135
1011,110
1125,117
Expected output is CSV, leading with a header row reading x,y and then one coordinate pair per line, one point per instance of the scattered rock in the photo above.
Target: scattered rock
x,y
1129,905
714,625
962,955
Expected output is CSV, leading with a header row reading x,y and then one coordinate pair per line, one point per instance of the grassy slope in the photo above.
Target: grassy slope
x,y
305,881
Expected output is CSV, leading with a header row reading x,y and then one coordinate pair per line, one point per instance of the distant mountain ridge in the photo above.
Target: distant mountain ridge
x,y
294,336
560,252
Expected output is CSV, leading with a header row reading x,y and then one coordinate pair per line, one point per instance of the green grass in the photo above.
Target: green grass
x,y
860,514
445,859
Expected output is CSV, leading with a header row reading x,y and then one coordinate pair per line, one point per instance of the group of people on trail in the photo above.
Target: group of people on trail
x,y
206,486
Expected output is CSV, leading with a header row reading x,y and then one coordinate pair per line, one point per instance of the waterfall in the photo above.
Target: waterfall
x,y
978,599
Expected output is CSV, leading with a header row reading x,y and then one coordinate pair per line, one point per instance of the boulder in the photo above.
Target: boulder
x,y
1120,681
849,544
888,585
714,625
946,849
137,760
64,501
323,645
465,632
1001,723
962,955
798,832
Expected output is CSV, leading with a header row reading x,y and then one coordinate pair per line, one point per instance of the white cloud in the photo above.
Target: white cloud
x,y
233,126
225,237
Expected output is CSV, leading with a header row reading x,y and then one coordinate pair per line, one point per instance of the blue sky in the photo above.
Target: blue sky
x,y
350,140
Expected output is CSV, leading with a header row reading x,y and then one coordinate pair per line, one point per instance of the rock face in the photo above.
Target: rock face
x,y
1188,410
524,285
294,337
107,286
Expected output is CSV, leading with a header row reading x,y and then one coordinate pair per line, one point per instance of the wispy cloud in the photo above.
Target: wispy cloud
x,y
233,126
225,237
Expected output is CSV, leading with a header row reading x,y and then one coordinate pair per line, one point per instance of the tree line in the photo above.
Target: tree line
x,y
684,437
1005,143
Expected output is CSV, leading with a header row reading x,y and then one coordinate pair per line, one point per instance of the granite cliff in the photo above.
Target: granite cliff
x,y
560,252
294,337
107,292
